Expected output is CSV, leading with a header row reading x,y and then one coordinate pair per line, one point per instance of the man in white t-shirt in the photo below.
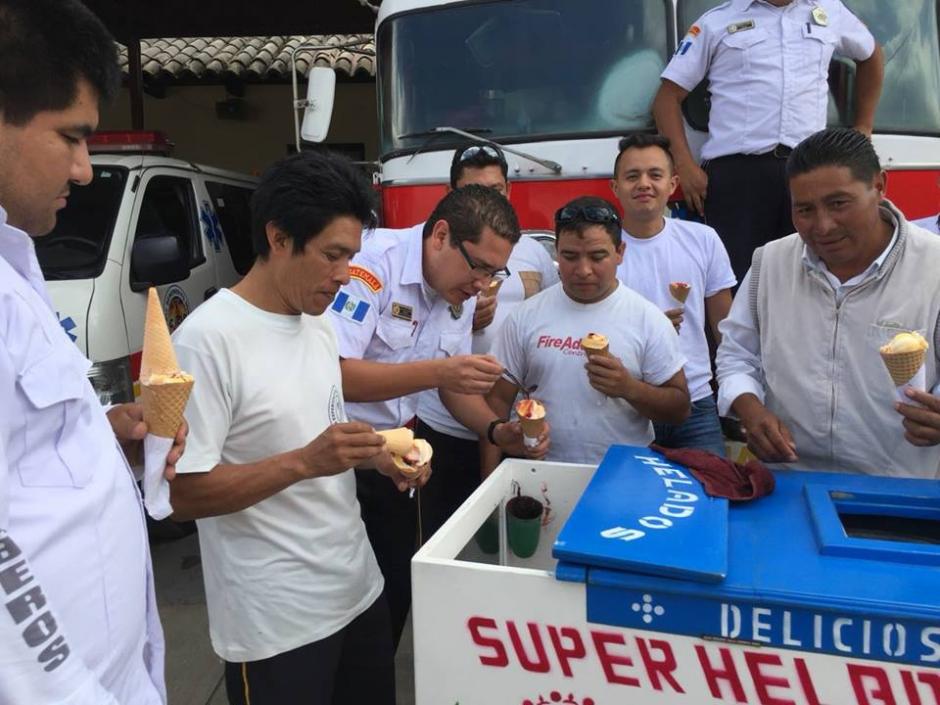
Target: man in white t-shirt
x,y
295,599
531,269
598,400
660,251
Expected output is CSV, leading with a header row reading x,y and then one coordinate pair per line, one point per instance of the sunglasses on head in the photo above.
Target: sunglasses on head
x,y
471,152
590,214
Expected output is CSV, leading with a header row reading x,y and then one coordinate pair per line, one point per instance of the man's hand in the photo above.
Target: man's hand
x,y
607,375
127,422
386,466
469,374
340,447
767,437
509,438
694,183
675,316
921,423
485,312
864,129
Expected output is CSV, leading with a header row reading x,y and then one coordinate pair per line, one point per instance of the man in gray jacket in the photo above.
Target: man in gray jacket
x,y
799,360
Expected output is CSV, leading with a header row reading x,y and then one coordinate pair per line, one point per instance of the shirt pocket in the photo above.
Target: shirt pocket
x,y
451,342
397,335
59,424
744,47
816,49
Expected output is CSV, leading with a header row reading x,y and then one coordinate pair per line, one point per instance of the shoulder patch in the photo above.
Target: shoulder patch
x,y
350,307
694,31
366,276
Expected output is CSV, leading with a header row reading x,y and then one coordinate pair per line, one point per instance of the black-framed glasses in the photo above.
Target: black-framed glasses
x,y
481,271
591,214
473,150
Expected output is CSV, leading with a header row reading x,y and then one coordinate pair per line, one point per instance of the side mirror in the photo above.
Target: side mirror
x,y
321,92
156,261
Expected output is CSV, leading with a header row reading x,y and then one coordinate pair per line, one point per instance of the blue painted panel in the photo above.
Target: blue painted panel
x,y
644,514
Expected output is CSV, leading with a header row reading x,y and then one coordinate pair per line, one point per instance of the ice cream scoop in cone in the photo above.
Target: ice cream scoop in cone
x,y
164,389
595,344
532,418
679,291
414,459
399,441
904,356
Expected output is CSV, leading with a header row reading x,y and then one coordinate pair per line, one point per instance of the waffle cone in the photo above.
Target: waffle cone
x,y
164,405
902,366
679,293
405,468
158,355
398,440
532,428
493,288
605,351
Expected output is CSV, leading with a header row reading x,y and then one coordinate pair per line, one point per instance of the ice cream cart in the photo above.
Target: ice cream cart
x,y
642,589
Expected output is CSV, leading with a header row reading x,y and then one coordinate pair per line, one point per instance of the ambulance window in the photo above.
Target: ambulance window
x,y
232,206
169,208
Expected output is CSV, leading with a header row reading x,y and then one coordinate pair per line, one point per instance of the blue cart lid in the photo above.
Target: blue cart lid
x,y
644,514
835,563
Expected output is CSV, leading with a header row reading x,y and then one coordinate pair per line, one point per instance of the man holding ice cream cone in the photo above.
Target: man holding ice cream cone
x,y
833,323
78,621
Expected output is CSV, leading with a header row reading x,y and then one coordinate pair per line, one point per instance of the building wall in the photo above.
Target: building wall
x,y
188,116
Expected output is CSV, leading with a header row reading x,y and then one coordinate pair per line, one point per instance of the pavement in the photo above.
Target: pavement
x,y
194,674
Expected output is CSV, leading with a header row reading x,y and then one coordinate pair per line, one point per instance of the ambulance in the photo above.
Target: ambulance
x,y
145,220
558,82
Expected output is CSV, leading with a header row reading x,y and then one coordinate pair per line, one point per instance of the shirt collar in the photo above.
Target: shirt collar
x,y
412,273
811,260
741,5
16,247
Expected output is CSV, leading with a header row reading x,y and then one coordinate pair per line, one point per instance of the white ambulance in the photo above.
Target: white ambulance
x,y
145,220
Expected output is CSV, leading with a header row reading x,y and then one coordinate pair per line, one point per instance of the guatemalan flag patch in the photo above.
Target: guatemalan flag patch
x,y
350,307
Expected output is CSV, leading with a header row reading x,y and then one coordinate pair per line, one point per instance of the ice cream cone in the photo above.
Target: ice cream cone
x,y
595,344
399,441
904,355
493,287
902,366
679,291
164,389
421,451
532,418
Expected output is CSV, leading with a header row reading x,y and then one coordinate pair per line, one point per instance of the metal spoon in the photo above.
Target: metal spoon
x,y
526,391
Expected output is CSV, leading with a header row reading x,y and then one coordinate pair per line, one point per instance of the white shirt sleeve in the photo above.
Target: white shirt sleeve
x,y
209,411
738,359
547,268
718,274
662,358
690,64
855,40
32,672
354,331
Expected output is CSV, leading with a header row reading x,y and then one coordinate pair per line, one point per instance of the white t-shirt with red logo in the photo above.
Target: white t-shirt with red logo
x,y
540,343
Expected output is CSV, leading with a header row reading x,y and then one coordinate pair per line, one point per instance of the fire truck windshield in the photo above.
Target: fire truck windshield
x,y
525,70
907,31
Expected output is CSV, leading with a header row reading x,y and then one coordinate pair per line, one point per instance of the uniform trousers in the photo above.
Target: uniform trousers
x,y
748,202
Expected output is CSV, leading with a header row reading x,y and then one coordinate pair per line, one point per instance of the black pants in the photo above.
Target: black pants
x,y
351,667
748,203
456,475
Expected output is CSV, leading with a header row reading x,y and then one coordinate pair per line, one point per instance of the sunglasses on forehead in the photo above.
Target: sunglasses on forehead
x,y
590,214
471,152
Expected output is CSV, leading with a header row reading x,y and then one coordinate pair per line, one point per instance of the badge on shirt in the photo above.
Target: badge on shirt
x,y
742,26
350,307
820,17
401,311
456,311
366,276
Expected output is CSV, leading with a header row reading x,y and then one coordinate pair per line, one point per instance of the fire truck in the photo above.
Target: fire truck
x,y
556,83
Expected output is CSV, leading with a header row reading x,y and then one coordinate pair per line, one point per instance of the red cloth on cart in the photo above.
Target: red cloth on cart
x,y
722,477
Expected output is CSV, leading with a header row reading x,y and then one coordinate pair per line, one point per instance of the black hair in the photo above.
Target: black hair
x,y
303,193
46,48
836,146
583,206
644,140
469,209
477,156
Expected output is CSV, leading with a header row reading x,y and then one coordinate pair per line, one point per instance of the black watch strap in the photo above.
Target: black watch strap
x,y
492,427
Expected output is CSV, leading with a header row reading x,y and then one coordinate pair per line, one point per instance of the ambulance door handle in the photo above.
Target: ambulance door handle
x,y
209,293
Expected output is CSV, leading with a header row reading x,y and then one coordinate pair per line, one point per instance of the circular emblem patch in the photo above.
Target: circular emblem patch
x,y
336,406
175,306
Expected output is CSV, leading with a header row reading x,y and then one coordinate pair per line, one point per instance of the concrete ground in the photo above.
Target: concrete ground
x,y
193,672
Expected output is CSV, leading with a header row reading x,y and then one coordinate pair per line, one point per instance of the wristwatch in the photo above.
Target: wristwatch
x,y
492,427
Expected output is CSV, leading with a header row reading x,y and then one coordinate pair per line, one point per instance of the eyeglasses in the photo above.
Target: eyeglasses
x,y
474,150
481,271
591,214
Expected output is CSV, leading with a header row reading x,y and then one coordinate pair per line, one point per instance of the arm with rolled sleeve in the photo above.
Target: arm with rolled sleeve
x,y
36,662
856,42
738,359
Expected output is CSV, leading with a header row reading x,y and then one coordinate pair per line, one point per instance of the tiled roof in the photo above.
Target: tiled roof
x,y
247,58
